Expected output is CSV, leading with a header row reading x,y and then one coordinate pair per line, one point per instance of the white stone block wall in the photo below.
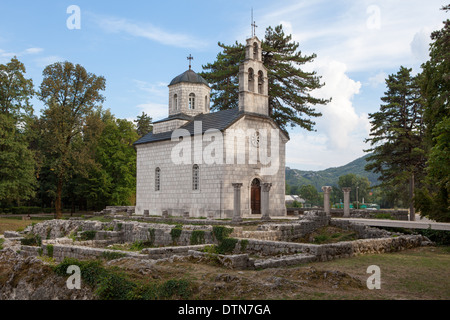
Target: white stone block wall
x,y
182,90
216,194
168,125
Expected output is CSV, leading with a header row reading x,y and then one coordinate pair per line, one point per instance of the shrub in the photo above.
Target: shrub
x,y
197,237
88,235
221,232
1,243
151,238
226,246
244,244
50,250
112,255
440,237
31,240
175,233
178,288
384,216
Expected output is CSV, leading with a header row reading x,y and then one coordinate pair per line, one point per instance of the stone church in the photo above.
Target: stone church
x,y
210,163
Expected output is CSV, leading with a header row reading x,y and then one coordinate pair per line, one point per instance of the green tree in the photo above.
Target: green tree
x,y
143,124
360,187
17,163
433,200
310,194
70,94
396,136
290,101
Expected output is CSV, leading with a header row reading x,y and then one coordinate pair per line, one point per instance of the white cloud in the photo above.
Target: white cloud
x,y
148,31
377,79
42,62
420,44
339,120
156,111
32,51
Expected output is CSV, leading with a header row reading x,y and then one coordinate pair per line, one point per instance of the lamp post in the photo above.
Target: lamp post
x,y
357,199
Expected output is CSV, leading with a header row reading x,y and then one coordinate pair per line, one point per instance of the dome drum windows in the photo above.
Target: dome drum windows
x,y
191,101
175,102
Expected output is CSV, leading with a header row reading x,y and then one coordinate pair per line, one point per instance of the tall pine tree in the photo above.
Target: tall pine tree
x,y
290,100
396,136
433,200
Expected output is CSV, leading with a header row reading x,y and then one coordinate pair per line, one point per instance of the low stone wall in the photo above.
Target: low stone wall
x,y
119,231
327,252
354,213
77,252
166,252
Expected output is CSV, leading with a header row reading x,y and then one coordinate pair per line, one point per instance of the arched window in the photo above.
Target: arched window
x,y
157,179
255,51
195,177
260,82
191,101
251,80
175,102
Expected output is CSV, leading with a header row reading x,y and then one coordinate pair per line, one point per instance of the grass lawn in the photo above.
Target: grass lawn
x,y
16,223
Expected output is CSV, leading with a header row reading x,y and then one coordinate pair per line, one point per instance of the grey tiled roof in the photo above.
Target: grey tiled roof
x,y
217,120
179,116
188,76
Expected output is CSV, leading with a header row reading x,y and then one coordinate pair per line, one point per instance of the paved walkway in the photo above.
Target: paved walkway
x,y
418,224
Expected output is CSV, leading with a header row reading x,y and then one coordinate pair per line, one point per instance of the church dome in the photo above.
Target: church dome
x,y
188,76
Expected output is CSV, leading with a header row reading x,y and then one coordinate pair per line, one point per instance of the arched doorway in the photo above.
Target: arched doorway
x,y
255,196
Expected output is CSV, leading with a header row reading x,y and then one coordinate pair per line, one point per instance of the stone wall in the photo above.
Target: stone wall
x,y
327,252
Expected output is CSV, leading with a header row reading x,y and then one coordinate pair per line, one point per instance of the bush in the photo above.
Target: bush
x,y
88,235
50,250
178,288
112,284
384,216
221,232
1,243
226,246
112,255
175,233
440,237
197,237
31,240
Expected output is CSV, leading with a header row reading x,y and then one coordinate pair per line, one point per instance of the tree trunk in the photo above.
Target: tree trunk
x,y
58,209
412,213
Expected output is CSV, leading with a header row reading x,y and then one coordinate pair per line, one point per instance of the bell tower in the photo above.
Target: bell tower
x,y
253,85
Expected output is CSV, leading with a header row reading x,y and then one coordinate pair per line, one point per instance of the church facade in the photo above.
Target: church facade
x,y
194,159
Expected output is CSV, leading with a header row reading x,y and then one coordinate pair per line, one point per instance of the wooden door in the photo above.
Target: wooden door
x,y
255,197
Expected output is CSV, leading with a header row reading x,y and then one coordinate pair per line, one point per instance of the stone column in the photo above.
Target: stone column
x,y
346,201
265,201
326,199
237,202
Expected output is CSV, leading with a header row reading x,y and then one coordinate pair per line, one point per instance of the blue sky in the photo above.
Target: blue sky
x,y
139,46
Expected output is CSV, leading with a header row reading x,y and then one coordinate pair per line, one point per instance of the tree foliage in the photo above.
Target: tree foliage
x,y
70,94
433,199
396,135
143,124
17,163
290,100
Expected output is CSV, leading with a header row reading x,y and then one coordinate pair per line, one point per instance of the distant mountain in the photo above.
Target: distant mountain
x,y
330,176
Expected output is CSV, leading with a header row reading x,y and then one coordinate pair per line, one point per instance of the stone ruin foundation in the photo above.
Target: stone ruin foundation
x,y
270,245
